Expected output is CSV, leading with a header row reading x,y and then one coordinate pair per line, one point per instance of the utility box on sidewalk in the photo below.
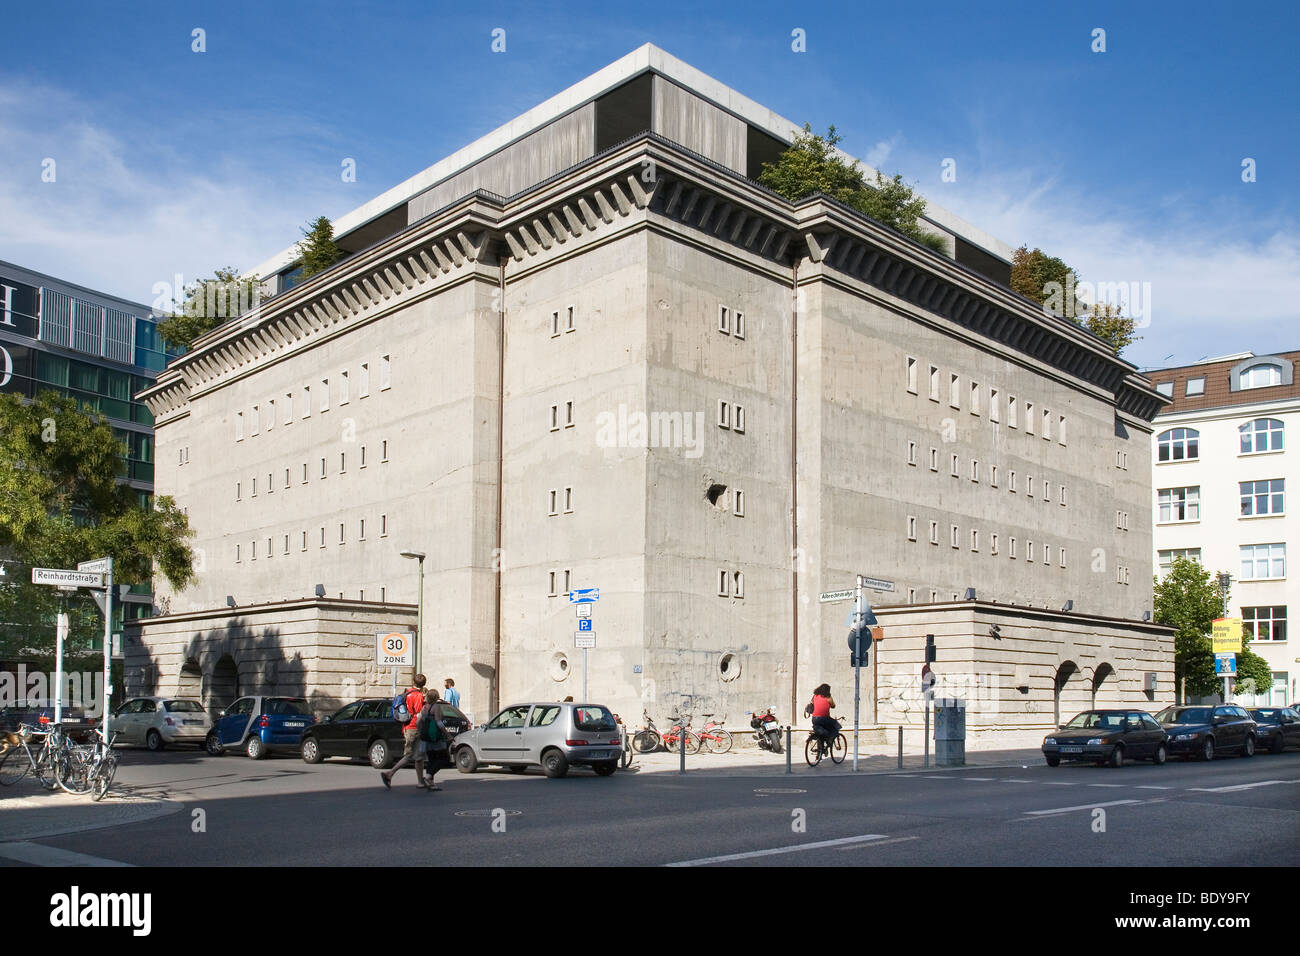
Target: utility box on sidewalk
x,y
949,732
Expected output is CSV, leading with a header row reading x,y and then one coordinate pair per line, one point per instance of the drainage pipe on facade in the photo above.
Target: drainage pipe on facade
x,y
794,488
498,563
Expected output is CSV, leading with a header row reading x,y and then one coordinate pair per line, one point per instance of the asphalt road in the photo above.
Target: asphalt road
x,y
232,811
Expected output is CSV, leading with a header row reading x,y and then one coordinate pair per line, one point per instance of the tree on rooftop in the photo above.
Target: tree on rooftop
x,y
317,250
208,303
810,165
1051,283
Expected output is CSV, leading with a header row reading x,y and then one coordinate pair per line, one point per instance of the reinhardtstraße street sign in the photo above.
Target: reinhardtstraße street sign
x,y
67,579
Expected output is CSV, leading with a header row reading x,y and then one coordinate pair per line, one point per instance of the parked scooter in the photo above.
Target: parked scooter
x,y
767,730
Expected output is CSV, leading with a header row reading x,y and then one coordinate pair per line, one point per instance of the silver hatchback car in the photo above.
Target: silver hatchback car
x,y
554,736
159,721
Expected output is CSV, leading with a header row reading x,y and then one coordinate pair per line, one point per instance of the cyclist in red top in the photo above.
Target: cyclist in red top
x,y
410,737
823,724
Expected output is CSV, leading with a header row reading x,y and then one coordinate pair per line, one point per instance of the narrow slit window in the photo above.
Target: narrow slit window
x,y
911,527
954,391
739,325
911,375
385,372
363,380
724,320
995,413
739,419
568,414
911,453
724,583
724,414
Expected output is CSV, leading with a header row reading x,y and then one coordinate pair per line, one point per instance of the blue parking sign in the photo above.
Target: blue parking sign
x,y
584,624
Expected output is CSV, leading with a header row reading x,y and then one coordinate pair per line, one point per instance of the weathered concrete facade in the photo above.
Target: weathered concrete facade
x,y
630,345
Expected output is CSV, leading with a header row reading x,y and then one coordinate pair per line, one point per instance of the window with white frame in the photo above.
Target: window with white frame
x,y
1261,376
568,414
1029,552
974,540
993,544
555,332
738,503
362,463
934,532
1165,559
1047,553
1261,436
363,380
254,487
555,418
738,325
555,500
322,536
1178,444
385,372
1047,492
239,426
911,374
1029,418
1061,554
1047,425
1179,504
934,459
1029,486
1196,386
1166,389
286,544
361,530
1011,483
569,325
1265,497
304,539
383,526
324,395
253,547
270,484
993,475
1263,562
956,467
343,462
1062,494
306,401
1011,411
738,584
1060,429
934,384
288,408
239,493
322,468
974,470
955,537
1264,623
1011,548
343,387
342,535
911,453
383,448
954,391
738,418
286,477
724,414
254,421
911,527
568,501
995,412
724,583
270,414
974,398
724,320
237,554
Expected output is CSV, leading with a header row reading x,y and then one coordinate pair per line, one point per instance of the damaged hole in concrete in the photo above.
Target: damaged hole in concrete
x,y
729,667
715,493
559,666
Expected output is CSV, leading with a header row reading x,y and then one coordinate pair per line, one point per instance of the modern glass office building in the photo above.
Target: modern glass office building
x,y
97,348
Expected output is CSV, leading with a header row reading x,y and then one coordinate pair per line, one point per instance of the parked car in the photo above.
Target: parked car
x,y
1202,730
1277,727
75,722
260,725
554,736
366,728
1107,737
156,722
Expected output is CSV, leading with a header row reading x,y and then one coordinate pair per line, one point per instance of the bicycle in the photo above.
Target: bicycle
x,y
47,765
103,766
818,746
650,738
714,736
625,753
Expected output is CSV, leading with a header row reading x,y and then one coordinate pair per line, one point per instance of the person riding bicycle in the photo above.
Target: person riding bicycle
x,y
824,725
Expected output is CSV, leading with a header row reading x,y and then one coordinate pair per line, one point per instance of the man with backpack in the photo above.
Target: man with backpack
x,y
433,737
406,708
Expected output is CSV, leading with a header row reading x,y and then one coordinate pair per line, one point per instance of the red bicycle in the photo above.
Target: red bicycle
x,y
651,738
714,736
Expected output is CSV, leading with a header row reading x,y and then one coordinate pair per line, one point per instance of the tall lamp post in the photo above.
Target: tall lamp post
x,y
419,605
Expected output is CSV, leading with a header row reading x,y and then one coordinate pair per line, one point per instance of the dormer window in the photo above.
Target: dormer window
x,y
1260,371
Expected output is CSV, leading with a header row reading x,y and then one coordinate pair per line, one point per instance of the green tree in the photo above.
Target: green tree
x,y
208,303
59,471
811,166
317,249
1190,600
1051,283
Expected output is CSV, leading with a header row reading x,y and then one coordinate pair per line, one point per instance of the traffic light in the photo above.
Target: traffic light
x,y
929,649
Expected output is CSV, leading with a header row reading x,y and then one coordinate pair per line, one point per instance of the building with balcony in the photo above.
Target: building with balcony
x,y
590,351
1220,469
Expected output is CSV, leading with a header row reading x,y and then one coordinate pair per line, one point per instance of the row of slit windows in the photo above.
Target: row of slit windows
x,y
1042,419
1033,488
306,539
269,487
993,542
263,416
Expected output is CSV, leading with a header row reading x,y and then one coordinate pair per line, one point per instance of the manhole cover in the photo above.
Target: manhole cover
x,y
768,790
488,813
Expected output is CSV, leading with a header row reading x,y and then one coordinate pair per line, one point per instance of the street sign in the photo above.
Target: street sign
x,y
394,649
583,610
1225,665
877,585
834,597
1225,635
102,565
584,624
67,579
584,639
584,595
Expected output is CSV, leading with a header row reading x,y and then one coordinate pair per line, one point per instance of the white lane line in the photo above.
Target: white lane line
x,y
865,838
1111,785
1060,783
1241,786
39,855
1148,786
1084,806
1015,780
867,846
909,776
980,779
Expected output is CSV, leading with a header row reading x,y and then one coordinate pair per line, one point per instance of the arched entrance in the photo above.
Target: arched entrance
x,y
191,680
1063,691
224,689
1104,675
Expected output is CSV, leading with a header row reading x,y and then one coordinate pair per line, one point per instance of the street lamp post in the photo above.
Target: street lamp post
x,y
419,606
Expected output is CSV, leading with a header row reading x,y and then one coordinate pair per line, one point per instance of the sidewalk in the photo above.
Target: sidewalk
x,y
34,814
871,760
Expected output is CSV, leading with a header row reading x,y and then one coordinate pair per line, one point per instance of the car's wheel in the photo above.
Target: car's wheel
x,y
1116,757
1207,749
1248,748
311,750
517,768
1053,761
153,740
377,754
466,762
555,763
212,744
605,769
1161,754
254,747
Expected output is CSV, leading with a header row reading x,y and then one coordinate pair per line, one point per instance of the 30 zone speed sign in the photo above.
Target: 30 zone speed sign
x,y
394,649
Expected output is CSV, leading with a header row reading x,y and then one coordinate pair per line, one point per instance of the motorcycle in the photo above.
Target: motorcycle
x,y
767,730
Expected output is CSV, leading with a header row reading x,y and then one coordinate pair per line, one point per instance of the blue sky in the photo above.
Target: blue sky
x,y
1126,163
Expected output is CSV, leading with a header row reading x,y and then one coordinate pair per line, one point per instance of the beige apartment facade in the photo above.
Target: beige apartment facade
x,y
646,374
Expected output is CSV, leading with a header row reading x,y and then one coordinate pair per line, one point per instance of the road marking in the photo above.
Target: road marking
x,y
1112,785
867,846
980,779
909,776
1060,783
866,837
1015,780
39,855
1148,786
1084,806
1241,786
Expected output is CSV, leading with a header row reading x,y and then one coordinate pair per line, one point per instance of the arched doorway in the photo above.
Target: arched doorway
x,y
1100,696
191,681
1062,690
224,689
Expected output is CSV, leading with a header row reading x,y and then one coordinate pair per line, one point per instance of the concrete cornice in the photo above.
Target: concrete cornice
x,y
277,607
988,609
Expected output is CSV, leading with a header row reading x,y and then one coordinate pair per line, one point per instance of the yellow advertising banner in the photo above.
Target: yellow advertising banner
x,y
1225,635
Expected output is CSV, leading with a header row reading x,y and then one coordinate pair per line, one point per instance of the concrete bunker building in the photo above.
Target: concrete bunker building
x,y
588,350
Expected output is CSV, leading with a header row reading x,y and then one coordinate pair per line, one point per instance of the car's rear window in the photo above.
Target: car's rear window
x,y
1267,714
1184,715
183,706
593,719
286,706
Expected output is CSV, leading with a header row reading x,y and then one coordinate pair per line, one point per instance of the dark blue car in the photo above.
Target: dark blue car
x,y
260,725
